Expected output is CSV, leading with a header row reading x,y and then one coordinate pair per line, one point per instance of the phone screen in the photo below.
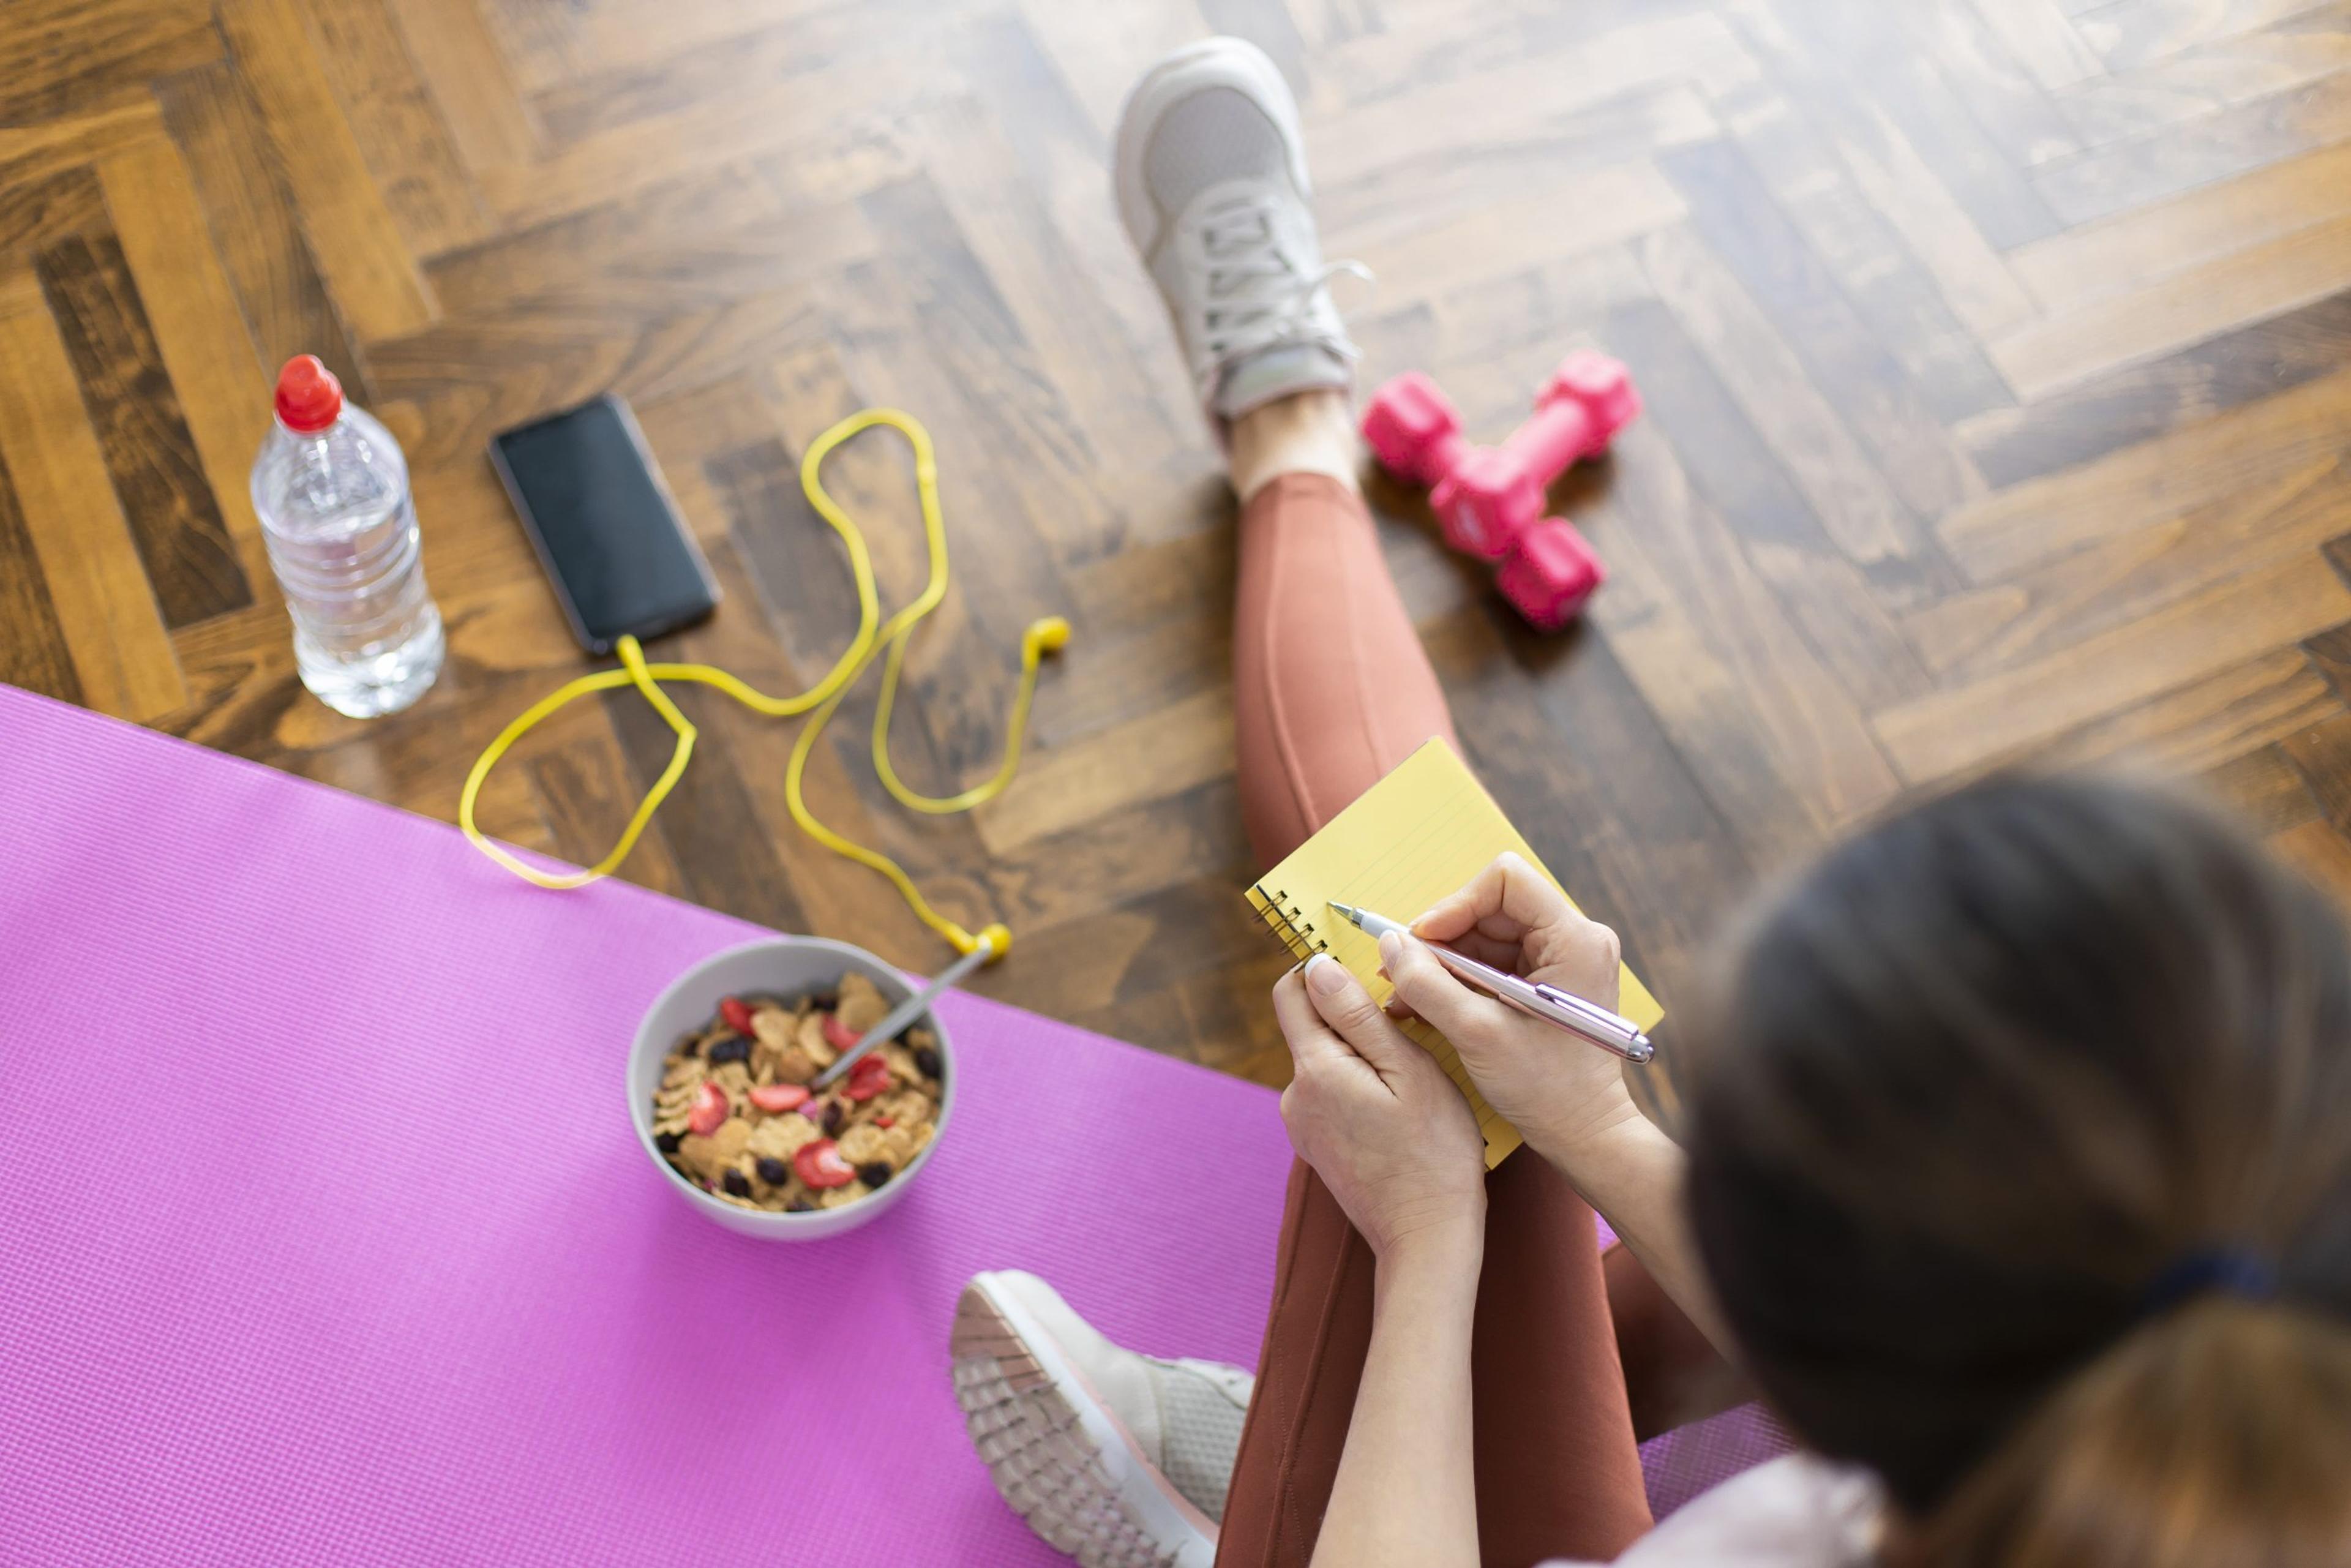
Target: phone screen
x,y
604,524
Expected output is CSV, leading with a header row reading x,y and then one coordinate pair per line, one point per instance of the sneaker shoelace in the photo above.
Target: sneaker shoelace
x,y
1258,298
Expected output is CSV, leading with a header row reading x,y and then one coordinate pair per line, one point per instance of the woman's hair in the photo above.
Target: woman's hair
x,y
1977,1098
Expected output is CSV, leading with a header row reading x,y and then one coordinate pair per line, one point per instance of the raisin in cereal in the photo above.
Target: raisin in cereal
x,y
736,1115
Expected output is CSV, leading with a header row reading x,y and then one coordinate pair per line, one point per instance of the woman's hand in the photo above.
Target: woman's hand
x,y
1376,1116
1562,1093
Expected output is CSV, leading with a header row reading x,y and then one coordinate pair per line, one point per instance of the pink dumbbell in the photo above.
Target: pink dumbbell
x,y
1488,499
1550,573
1494,493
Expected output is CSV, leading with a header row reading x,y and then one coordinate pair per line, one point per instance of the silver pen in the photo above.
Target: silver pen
x,y
1587,1020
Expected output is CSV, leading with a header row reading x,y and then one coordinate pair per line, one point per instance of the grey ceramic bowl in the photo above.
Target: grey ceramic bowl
x,y
778,966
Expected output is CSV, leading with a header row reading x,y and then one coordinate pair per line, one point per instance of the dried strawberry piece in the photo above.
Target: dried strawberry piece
x,y
867,1079
710,1109
886,1121
778,1098
837,1034
820,1165
736,1014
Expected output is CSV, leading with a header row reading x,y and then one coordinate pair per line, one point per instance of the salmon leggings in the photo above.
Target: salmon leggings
x,y
1333,690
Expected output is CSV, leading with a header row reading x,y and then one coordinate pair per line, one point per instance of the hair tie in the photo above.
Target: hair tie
x,y
2223,1269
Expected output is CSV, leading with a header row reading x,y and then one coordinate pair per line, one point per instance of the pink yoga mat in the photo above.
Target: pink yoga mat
x,y
324,1238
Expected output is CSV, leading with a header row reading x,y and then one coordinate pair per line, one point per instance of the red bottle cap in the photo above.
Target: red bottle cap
x,y
309,398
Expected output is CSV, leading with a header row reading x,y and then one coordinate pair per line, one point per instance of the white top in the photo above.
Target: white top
x,y
1796,1512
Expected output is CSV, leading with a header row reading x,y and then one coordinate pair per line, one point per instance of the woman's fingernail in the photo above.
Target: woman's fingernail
x,y
1325,975
1391,948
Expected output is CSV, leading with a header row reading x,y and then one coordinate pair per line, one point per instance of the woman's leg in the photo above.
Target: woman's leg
x,y
1332,690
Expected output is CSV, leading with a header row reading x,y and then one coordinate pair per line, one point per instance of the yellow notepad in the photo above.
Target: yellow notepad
x,y
1421,832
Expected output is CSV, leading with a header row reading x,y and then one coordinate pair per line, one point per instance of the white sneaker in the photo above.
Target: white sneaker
x,y
1120,1460
1210,171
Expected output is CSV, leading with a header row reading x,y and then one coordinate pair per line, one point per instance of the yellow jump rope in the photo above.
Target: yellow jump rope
x,y
1043,637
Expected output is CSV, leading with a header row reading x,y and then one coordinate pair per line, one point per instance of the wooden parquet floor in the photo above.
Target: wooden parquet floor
x,y
1997,353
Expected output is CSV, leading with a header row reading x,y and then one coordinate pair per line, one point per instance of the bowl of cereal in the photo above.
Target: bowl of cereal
x,y
721,1088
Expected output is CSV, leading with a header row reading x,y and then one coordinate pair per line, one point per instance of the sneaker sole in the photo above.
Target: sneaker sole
x,y
1059,1458
1244,67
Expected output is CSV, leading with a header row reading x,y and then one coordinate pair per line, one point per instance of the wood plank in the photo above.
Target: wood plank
x,y
2141,403
2179,310
2321,752
368,266
1586,210
1703,638
474,378
2105,180
2207,79
399,128
2203,724
1957,730
2014,109
191,562
678,68
1576,107
1974,279
2320,854
1127,854
105,616
468,81
254,227
1183,745
1846,493
1059,307
2133,33
1860,72
1868,263
2131,251
1748,236
2132,572
42,211
63,56
2044,39
1838,606
2329,652
223,388
30,152
814,115
2147,483
1629,46
32,653
2265,789
635,262
1008,445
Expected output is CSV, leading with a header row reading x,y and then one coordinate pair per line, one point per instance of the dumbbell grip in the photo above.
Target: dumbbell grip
x,y
1557,436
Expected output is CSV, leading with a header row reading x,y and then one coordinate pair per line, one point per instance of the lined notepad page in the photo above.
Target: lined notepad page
x,y
1418,835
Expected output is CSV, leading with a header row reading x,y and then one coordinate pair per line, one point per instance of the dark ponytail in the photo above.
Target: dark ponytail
x,y
2219,1434
1972,1089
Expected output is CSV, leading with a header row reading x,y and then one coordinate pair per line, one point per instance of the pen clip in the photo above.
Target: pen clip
x,y
1559,998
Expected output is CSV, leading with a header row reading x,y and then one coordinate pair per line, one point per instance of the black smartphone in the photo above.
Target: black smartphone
x,y
604,524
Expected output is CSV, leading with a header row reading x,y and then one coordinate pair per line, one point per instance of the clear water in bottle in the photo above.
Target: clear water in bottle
x,y
332,489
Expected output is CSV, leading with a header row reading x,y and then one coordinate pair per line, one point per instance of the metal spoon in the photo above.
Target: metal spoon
x,y
902,1015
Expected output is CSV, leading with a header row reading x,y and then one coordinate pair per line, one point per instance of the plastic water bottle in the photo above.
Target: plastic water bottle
x,y
331,488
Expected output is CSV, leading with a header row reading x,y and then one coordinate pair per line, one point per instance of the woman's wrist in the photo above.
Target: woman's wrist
x,y
1602,1145
1448,1249
1590,1134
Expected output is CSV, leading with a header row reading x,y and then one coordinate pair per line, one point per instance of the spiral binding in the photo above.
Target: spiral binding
x,y
1288,922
